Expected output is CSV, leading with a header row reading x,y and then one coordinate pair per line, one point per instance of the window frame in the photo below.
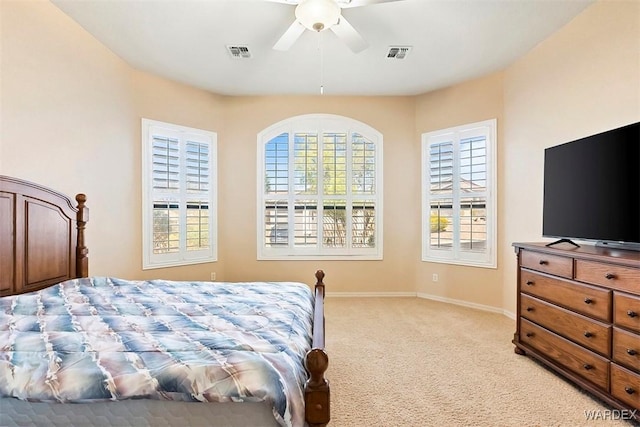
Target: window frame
x,y
320,124
458,255
183,256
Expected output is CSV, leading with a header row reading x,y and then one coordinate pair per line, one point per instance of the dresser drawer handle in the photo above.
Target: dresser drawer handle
x,y
631,313
588,334
530,334
631,352
609,276
587,367
543,262
629,390
529,308
588,300
529,283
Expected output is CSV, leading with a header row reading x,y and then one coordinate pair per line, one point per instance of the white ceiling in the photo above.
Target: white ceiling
x,y
451,40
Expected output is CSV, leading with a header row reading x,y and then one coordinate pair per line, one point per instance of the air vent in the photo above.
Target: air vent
x,y
239,52
398,52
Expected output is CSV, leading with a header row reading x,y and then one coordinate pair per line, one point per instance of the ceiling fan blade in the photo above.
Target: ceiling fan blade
x,y
349,35
357,3
290,36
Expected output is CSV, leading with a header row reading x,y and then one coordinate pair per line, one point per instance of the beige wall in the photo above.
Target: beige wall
x,y
70,119
582,80
159,99
393,117
67,120
469,102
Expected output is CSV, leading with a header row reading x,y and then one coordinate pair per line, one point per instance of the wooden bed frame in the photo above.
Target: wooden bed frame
x,y
42,243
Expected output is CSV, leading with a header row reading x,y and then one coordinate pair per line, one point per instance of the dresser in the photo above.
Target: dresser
x,y
578,312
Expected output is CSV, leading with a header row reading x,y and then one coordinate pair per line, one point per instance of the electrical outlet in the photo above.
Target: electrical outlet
x,y
434,277
213,276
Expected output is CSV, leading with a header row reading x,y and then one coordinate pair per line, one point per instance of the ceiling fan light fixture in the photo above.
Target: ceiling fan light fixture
x,y
318,15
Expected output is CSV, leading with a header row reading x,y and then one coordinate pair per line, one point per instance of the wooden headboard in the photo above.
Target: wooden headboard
x,y
41,237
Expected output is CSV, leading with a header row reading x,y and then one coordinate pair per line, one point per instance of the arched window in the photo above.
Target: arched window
x,y
319,189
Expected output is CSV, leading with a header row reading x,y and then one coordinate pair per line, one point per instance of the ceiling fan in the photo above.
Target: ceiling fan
x,y
319,15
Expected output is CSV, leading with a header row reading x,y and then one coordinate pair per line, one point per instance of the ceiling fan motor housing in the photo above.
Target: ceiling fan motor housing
x,y
318,15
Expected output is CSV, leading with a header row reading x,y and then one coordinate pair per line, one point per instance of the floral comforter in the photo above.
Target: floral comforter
x,y
103,338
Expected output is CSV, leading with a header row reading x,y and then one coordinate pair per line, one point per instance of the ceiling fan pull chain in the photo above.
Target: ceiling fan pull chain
x,y
321,64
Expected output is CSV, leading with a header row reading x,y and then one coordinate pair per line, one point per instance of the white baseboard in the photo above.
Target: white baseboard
x,y
369,294
462,303
511,315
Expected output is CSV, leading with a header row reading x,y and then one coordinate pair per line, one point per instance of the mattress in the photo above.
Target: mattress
x,y
102,340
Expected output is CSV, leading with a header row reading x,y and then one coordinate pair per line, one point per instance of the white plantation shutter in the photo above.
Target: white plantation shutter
x,y
197,168
166,185
459,184
441,177
179,216
198,190
472,184
320,189
363,190
166,163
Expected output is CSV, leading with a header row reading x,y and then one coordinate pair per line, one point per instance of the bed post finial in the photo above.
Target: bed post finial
x,y
320,276
82,216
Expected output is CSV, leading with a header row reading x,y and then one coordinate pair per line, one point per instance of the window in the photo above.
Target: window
x,y
459,187
178,195
319,189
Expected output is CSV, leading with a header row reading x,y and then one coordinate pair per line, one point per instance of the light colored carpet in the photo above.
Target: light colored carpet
x,y
414,362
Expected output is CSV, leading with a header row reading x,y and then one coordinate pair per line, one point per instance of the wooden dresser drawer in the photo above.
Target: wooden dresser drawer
x,y
565,353
589,300
626,311
587,332
625,386
609,275
552,264
626,349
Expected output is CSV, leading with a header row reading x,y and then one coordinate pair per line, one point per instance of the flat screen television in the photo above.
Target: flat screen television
x,y
592,189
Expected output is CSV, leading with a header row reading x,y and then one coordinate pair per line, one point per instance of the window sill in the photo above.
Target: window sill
x,y
319,257
147,266
462,263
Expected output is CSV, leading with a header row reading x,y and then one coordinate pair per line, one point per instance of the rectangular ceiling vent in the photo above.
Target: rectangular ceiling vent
x,y
398,52
239,52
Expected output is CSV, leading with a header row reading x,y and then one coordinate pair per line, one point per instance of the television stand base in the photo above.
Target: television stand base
x,y
563,241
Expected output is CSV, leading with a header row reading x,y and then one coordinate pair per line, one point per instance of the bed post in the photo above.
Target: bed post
x,y
82,216
316,389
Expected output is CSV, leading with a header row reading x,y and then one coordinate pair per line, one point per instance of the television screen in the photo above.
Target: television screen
x,y
592,187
